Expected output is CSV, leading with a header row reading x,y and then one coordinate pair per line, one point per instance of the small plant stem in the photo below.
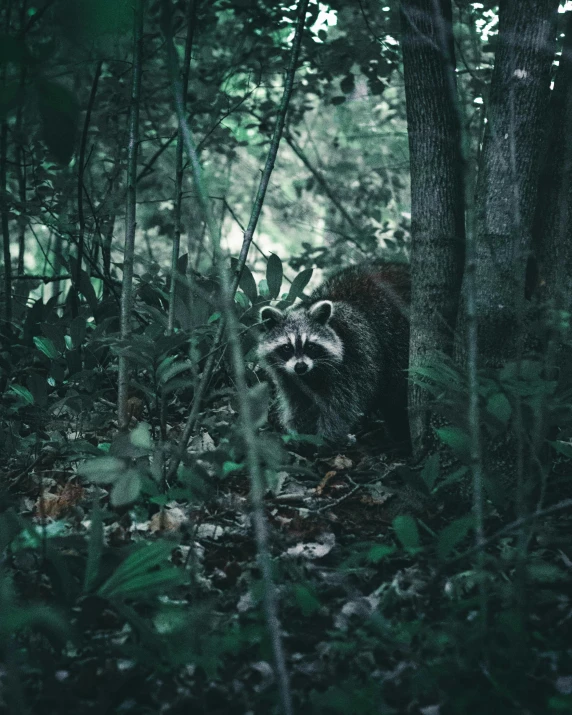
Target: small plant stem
x,y
80,188
130,216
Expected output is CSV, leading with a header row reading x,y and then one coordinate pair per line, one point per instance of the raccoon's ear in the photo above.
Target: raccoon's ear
x,y
321,311
271,316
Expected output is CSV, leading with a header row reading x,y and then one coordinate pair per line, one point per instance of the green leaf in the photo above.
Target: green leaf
x,y
499,406
248,284
452,478
306,438
214,317
457,439
94,548
560,703
544,572
229,467
453,534
564,448
241,299
137,564
38,386
126,489
23,392
406,531
164,365
150,582
263,290
379,552
103,470
141,436
37,616
173,370
55,333
299,283
430,471
46,346
306,600
274,275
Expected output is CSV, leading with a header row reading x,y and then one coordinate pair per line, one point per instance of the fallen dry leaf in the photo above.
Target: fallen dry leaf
x,y
342,462
326,478
167,520
56,505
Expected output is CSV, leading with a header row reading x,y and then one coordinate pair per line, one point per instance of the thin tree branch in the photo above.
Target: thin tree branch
x,y
559,506
80,170
130,216
43,278
325,187
149,165
274,144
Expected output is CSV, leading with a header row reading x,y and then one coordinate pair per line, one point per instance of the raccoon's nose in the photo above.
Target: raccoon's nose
x,y
300,368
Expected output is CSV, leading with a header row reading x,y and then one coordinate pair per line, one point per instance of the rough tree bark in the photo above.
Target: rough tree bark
x,y
507,182
5,226
437,202
553,225
179,169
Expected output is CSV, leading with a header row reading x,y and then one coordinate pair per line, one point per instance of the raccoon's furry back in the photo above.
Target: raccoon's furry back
x,y
356,326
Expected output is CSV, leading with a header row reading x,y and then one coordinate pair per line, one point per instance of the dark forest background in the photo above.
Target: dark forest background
x,y
167,168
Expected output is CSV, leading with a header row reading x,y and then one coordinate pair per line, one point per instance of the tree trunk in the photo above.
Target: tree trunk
x,y
437,214
5,226
553,227
507,183
179,170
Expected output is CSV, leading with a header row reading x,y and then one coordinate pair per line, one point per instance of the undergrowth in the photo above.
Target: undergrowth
x,y
123,591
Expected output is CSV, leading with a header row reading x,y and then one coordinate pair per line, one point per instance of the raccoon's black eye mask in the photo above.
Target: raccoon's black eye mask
x,y
285,351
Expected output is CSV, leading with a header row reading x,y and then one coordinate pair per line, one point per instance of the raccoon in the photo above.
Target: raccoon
x,y
343,353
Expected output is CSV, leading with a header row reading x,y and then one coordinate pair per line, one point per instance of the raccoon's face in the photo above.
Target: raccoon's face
x,y
300,342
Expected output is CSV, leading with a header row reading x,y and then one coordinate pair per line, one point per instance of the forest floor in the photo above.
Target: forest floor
x,y
374,618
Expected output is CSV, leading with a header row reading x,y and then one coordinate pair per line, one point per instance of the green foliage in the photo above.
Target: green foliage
x,y
143,573
454,534
125,466
406,531
274,275
298,284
